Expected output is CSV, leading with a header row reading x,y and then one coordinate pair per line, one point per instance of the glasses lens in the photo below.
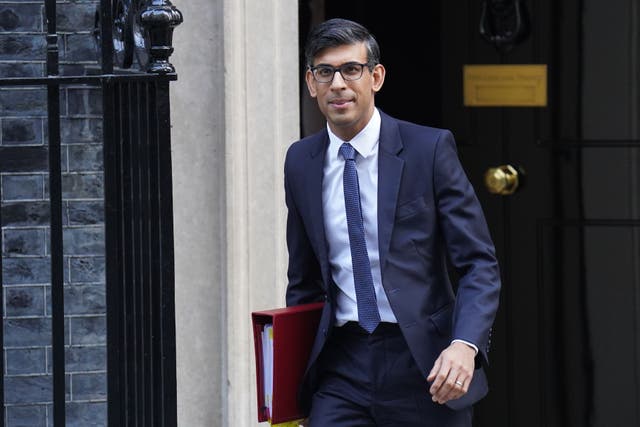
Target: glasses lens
x,y
351,71
323,74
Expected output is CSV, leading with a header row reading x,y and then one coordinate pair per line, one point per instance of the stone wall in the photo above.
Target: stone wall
x,y
25,219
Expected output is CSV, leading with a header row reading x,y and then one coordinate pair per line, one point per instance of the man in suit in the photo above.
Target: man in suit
x,y
376,206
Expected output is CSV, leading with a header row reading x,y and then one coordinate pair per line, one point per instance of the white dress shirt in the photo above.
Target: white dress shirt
x,y
335,219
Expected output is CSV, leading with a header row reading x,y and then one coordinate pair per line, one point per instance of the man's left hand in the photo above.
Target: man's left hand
x,y
452,372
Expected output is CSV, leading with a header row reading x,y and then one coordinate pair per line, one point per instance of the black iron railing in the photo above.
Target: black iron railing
x,y
141,382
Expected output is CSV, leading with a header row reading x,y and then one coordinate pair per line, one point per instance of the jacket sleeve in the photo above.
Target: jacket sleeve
x,y
304,276
469,246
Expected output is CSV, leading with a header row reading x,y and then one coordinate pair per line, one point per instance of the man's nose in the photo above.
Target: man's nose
x,y
338,80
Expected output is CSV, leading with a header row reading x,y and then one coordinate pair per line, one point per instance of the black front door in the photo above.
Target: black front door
x,y
567,334
566,342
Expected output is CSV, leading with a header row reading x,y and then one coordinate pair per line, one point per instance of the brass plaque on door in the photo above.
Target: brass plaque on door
x,y
505,85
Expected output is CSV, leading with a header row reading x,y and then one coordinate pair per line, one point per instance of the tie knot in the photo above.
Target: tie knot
x,y
347,151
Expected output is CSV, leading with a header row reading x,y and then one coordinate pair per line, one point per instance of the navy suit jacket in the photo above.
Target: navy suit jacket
x,y
427,212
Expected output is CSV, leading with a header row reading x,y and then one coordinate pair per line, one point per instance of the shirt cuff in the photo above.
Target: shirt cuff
x,y
473,346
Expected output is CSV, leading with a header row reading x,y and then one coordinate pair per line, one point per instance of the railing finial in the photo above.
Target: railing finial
x,y
159,19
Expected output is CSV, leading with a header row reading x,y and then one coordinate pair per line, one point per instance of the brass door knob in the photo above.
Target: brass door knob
x,y
503,180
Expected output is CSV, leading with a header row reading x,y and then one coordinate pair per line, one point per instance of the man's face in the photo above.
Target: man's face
x,y
347,105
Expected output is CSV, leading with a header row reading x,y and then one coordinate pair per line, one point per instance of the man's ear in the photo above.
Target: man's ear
x,y
311,83
377,74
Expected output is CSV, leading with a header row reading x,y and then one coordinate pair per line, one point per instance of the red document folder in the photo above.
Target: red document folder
x,y
294,330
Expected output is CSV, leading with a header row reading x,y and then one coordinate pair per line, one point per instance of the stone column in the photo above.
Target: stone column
x,y
262,105
198,154
235,110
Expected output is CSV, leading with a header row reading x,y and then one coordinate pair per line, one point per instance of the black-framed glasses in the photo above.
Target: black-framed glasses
x,y
349,71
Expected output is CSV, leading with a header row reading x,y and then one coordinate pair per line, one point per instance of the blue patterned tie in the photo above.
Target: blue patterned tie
x,y
368,315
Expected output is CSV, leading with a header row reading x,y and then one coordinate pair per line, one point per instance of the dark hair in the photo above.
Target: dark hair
x,y
339,32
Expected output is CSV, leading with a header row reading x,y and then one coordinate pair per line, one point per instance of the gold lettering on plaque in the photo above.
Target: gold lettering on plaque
x,y
505,85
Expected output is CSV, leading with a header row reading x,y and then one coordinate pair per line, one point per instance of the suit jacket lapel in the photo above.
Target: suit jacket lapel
x,y
314,196
390,168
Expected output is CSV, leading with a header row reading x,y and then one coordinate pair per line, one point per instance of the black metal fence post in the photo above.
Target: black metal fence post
x,y
167,297
139,229
55,198
2,411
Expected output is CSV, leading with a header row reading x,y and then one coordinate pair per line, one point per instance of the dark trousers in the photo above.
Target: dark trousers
x,y
372,380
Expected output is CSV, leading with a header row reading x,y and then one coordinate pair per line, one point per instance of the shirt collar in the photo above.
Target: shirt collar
x,y
365,142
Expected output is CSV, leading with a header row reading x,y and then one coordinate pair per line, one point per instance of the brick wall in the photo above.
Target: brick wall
x,y
25,219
